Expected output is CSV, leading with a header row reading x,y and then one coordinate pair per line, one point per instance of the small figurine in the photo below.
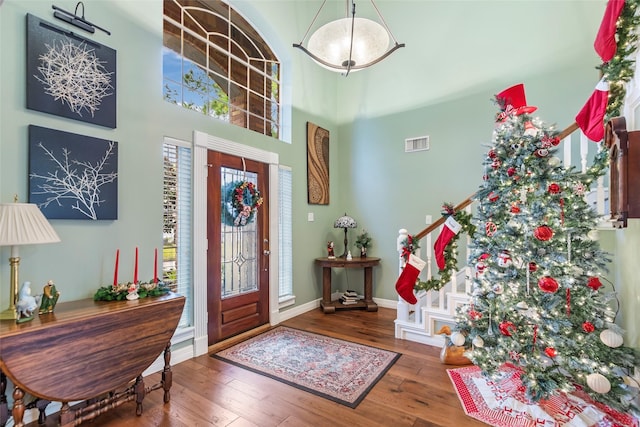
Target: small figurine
x,y
349,257
50,297
27,304
330,253
132,292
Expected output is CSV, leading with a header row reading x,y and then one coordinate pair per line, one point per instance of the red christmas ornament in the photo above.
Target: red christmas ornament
x,y
492,154
511,171
533,267
475,315
496,164
548,141
551,352
553,188
493,197
506,327
514,209
548,284
594,283
543,233
588,327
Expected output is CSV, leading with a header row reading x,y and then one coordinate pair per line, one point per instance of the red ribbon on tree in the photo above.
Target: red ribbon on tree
x,y
535,334
568,302
562,211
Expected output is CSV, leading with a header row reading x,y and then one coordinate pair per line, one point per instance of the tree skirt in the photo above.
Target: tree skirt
x,y
328,367
503,403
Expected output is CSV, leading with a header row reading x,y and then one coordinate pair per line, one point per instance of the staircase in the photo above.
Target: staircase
x,y
420,322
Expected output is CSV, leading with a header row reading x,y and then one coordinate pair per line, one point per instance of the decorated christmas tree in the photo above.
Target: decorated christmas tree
x,y
540,301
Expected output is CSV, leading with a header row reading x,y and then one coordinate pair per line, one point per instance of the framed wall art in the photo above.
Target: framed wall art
x,y
68,75
73,176
317,165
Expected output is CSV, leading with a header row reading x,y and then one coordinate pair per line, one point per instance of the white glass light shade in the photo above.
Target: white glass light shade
x,y
332,42
24,224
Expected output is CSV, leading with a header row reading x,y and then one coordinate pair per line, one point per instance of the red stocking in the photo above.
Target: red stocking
x,y
407,280
450,229
605,43
591,118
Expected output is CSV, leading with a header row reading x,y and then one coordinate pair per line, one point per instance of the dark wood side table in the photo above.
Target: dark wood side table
x,y
367,264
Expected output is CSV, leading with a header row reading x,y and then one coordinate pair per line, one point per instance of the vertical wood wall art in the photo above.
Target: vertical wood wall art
x,y
317,165
68,75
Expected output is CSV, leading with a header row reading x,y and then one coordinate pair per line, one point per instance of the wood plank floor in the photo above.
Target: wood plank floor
x,y
416,391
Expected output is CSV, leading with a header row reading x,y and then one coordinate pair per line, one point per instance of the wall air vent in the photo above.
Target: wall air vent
x,y
420,143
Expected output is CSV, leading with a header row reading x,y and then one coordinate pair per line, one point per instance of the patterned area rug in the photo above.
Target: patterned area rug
x,y
334,369
503,403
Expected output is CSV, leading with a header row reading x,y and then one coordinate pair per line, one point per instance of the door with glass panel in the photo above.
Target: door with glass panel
x,y
238,245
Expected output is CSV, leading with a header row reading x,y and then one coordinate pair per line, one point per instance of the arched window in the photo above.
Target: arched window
x,y
216,63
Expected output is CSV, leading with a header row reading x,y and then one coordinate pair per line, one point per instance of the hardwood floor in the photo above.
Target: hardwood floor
x,y
416,391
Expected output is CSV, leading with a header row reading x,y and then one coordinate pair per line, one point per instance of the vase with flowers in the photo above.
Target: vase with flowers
x,y
363,242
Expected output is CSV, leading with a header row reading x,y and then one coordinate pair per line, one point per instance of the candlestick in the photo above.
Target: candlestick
x,y
135,268
155,266
115,273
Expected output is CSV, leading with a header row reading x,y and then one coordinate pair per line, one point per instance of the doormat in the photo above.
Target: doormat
x,y
338,370
502,403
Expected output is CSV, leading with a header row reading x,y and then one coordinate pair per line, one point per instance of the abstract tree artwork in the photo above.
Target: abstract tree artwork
x,y
73,176
317,165
70,76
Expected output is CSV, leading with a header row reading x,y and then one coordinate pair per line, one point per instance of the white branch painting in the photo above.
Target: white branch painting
x,y
74,75
73,180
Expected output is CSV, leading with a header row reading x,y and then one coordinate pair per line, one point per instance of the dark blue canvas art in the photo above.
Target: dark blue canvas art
x,y
69,75
73,176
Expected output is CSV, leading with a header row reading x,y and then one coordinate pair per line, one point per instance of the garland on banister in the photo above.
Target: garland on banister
x,y
617,72
450,251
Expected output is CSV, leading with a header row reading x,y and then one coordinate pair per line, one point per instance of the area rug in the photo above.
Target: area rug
x,y
337,370
503,403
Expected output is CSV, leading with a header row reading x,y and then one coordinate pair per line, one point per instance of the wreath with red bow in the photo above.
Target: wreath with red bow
x,y
242,201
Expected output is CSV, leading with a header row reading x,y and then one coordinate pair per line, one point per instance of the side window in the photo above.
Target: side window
x,y
285,237
215,62
176,233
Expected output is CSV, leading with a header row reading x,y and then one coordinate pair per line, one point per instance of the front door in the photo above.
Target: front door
x,y
238,245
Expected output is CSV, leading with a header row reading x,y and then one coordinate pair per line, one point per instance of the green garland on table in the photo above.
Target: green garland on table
x,y
450,251
120,292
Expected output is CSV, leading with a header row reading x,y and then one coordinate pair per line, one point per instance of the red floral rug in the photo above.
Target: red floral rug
x,y
334,369
503,403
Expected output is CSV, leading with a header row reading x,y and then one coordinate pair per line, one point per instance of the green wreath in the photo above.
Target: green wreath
x,y
450,261
241,203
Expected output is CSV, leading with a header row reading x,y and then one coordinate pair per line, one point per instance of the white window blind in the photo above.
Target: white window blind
x,y
285,287
176,259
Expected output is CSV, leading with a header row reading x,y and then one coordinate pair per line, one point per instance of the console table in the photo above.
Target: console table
x,y
86,351
366,263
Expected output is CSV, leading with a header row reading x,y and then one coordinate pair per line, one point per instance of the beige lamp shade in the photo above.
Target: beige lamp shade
x,y
24,224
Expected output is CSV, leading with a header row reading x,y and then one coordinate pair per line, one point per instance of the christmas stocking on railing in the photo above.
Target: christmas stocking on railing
x,y
407,280
450,229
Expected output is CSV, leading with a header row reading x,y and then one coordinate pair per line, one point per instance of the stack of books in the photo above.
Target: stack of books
x,y
349,298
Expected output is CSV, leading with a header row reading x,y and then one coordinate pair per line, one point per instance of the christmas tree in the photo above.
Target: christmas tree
x,y
538,301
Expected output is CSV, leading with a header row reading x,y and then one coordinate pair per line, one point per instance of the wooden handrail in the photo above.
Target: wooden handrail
x,y
466,202
442,219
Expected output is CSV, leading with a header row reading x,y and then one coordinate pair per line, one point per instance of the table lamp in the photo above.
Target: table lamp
x,y
21,224
345,222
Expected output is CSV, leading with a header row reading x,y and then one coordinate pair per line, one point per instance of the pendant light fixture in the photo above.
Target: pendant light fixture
x,y
350,43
